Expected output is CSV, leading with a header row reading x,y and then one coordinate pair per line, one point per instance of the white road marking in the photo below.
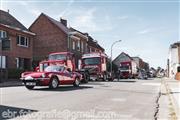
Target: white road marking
x,y
118,99
152,84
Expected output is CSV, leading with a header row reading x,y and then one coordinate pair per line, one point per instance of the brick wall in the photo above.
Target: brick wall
x,y
49,38
15,50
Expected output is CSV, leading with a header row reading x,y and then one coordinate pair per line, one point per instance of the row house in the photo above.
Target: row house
x,y
173,64
141,64
55,36
16,43
93,45
123,57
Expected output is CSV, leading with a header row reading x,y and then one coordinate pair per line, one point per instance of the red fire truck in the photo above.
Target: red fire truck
x,y
96,65
128,69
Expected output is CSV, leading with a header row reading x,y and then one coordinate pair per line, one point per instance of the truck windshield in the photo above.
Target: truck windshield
x,y
57,57
91,61
54,68
124,68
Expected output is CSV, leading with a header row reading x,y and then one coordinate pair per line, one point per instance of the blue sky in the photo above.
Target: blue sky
x,y
146,27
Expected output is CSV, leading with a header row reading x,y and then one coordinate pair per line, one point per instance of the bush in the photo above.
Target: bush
x,y
14,73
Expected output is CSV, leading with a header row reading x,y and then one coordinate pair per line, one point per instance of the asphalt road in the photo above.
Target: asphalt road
x,y
124,99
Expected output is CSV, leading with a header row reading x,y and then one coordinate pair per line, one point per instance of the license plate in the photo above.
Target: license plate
x,y
31,83
93,78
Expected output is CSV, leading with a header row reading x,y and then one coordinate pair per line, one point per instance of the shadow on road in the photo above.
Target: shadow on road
x,y
63,88
8,112
128,81
95,83
174,92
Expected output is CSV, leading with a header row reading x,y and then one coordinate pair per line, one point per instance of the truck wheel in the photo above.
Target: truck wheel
x,y
76,82
54,83
29,87
86,78
104,77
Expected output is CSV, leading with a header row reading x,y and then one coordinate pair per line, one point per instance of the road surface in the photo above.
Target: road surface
x,y
124,99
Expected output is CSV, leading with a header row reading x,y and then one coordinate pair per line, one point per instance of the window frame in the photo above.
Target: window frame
x,y
78,45
82,46
26,41
73,45
3,34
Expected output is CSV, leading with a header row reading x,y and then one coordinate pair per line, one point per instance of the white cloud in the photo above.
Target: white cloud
x,y
87,20
66,10
145,31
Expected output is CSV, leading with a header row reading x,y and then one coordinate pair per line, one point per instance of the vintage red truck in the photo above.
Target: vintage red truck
x,y
128,69
51,73
96,65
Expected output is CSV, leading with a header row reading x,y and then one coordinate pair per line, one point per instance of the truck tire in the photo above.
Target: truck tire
x,y
86,77
29,87
54,83
104,77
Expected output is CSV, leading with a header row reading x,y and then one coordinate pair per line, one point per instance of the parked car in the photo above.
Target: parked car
x,y
52,76
142,74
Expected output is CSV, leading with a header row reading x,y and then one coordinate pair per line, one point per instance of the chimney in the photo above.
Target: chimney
x,y
8,10
63,21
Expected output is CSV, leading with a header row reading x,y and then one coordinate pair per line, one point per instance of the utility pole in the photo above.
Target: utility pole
x,y
111,52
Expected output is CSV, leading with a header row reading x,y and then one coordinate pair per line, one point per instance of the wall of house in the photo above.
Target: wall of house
x,y
15,50
49,38
173,61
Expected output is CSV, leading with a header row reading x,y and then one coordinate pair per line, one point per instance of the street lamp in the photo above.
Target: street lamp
x,y
111,52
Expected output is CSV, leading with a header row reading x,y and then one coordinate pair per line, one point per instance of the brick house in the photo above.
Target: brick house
x,y
93,45
123,57
141,64
55,36
16,42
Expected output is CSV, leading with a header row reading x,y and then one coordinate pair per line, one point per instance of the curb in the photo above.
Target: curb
x,y
172,105
11,84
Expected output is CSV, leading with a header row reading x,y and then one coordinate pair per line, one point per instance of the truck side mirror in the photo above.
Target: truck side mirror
x,y
79,64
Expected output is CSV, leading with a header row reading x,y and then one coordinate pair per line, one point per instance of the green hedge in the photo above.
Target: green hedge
x,y
14,73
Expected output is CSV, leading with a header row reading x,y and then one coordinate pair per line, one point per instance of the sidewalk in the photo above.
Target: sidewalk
x,y
174,90
11,83
169,100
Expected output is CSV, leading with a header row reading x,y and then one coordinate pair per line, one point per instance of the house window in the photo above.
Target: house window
x,y
78,45
23,63
3,62
178,69
22,41
82,46
73,45
3,34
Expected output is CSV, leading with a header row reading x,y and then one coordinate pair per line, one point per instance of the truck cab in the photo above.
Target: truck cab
x,y
95,64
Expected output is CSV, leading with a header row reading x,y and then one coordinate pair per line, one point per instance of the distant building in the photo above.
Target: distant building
x,y
141,64
16,42
173,64
139,61
123,57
